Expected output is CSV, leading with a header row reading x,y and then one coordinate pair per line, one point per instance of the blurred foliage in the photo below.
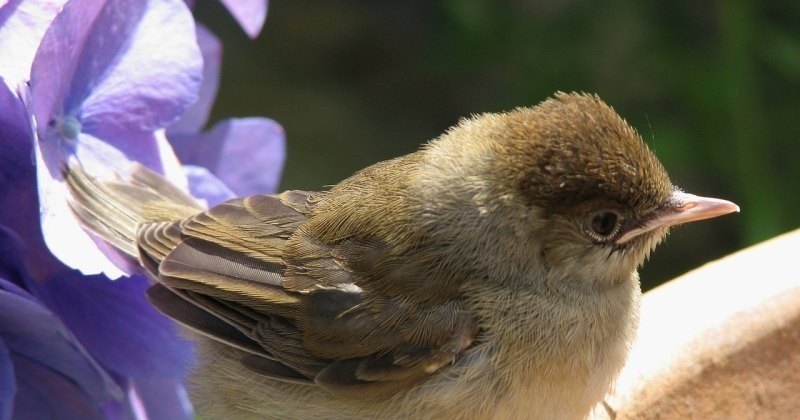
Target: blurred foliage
x,y
713,87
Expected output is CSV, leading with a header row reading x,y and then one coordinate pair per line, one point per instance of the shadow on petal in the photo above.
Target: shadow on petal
x,y
118,326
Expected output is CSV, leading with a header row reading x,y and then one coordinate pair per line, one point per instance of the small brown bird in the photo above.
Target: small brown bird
x,y
491,274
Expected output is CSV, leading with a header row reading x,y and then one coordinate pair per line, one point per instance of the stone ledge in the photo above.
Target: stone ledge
x,y
720,342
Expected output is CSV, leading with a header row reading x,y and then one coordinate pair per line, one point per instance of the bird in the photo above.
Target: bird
x,y
491,274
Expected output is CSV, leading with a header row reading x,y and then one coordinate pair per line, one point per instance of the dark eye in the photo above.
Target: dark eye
x,y
603,225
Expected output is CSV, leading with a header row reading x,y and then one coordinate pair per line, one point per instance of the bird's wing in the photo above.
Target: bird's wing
x,y
303,310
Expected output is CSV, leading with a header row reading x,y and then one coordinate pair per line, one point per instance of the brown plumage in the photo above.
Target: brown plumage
x,y
490,274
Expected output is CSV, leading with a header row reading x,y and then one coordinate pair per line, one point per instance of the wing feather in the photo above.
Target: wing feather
x,y
303,308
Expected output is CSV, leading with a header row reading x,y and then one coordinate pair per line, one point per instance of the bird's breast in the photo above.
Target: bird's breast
x,y
555,356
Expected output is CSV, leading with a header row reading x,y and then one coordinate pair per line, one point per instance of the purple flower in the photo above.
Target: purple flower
x,y
36,348
236,157
22,25
107,78
245,153
250,14
73,359
99,81
44,370
73,346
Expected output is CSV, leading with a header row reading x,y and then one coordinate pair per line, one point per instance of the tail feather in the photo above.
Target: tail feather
x,y
114,209
145,178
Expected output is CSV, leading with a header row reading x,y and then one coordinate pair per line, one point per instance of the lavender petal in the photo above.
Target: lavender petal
x,y
22,26
250,14
8,384
118,326
195,118
124,65
247,154
31,331
204,185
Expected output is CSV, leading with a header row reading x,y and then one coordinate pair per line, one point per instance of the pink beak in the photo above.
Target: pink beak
x,y
685,208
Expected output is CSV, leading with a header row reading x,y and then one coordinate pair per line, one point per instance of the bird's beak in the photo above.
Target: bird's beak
x,y
682,208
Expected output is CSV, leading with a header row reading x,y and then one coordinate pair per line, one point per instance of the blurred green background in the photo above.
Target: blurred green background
x,y
713,87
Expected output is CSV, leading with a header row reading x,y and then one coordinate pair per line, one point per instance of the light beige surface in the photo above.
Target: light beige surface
x,y
721,342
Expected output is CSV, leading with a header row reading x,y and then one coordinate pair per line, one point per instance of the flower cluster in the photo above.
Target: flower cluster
x,y
106,82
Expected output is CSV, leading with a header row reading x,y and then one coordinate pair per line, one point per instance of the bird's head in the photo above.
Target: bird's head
x,y
579,185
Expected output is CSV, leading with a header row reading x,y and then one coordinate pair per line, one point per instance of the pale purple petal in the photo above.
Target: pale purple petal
x,y
162,399
63,234
123,65
22,25
108,150
157,75
252,156
65,238
57,58
118,326
250,14
109,72
33,332
127,264
195,118
8,385
171,167
204,185
247,154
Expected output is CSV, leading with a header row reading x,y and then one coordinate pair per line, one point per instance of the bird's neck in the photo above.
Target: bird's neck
x,y
544,341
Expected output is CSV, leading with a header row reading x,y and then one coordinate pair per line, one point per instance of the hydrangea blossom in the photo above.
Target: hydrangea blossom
x,y
243,153
57,313
108,73
250,14
106,78
44,370
22,25
60,360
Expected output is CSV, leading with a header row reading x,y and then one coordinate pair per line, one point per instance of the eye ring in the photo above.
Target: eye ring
x,y
603,225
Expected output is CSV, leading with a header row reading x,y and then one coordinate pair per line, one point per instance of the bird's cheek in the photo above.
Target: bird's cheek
x,y
561,256
581,264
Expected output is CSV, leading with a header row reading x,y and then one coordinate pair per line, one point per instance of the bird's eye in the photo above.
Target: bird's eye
x,y
603,225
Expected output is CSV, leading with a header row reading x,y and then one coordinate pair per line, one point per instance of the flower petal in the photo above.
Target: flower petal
x,y
22,26
62,233
162,399
8,385
33,332
18,200
16,137
250,14
117,65
252,156
247,154
11,263
195,118
45,394
15,132
119,327
204,185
